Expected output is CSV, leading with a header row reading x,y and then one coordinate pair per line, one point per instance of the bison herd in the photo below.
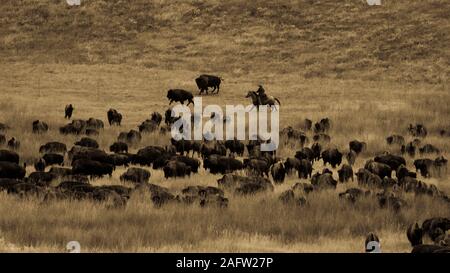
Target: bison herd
x,y
62,173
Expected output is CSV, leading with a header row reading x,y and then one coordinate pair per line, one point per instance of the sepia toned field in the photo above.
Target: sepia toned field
x,y
368,96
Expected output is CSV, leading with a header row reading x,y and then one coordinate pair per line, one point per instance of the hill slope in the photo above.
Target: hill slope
x,y
401,40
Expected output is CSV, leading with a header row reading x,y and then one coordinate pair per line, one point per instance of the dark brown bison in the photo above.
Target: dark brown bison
x,y
321,137
380,169
305,153
393,161
87,142
414,234
39,127
395,139
68,111
40,165
278,172
53,147
424,166
53,159
132,137
353,194
13,144
114,117
76,127
351,157
93,123
147,155
235,147
429,149
244,185
176,168
11,170
9,156
323,181
205,81
357,146
180,95
291,164
156,117
322,126
119,147
221,164
417,130
136,175
304,168
148,126
332,156
92,168
345,173
368,179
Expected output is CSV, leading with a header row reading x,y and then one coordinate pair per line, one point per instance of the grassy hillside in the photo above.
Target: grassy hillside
x,y
401,40
371,70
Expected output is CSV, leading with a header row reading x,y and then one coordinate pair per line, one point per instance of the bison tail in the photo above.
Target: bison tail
x,y
279,103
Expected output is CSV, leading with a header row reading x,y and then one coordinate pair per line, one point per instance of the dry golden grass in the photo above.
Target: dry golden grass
x,y
371,70
362,110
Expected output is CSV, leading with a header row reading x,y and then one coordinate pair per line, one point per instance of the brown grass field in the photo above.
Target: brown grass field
x,y
371,70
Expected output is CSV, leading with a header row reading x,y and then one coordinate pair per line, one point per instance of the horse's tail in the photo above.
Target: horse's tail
x,y
279,103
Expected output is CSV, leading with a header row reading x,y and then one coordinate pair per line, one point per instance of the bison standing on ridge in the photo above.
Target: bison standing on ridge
x,y
180,95
68,111
205,81
114,117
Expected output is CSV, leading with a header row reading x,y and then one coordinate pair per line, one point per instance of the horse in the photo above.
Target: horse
x,y
257,101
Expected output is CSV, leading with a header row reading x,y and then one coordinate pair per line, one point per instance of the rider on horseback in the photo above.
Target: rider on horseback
x,y
262,94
